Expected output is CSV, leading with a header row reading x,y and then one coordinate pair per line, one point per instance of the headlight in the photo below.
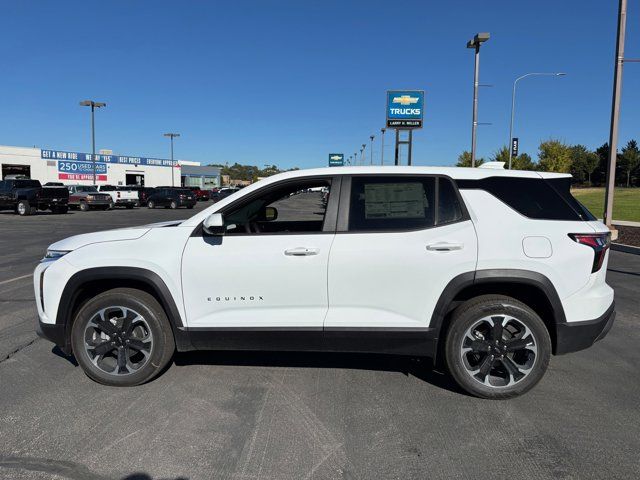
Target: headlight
x,y
55,254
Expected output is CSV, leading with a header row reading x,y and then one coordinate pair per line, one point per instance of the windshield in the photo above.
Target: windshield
x,y
27,183
88,189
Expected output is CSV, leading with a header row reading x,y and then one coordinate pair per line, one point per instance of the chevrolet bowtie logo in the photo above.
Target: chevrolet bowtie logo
x,y
405,100
336,157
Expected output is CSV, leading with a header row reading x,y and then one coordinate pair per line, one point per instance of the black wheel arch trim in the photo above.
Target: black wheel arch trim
x,y
505,276
151,279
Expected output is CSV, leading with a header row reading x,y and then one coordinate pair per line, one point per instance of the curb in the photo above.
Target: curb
x,y
620,247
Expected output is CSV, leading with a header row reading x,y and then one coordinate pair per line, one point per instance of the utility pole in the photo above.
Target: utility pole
x,y
475,43
615,114
382,130
93,105
172,136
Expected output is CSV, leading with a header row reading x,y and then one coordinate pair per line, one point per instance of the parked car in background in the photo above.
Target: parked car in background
x,y
86,197
171,197
201,195
143,193
54,184
26,197
225,192
121,196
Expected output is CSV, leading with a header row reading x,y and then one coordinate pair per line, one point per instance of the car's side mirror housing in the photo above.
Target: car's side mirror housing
x,y
270,214
214,224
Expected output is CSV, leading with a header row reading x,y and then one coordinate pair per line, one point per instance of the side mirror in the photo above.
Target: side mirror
x,y
269,214
214,224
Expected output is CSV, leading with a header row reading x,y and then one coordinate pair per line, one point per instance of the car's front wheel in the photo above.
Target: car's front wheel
x,y
173,205
497,347
122,337
151,204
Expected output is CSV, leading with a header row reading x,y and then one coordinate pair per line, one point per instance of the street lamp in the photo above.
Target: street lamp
x,y
371,151
475,43
513,102
362,159
382,130
172,136
93,105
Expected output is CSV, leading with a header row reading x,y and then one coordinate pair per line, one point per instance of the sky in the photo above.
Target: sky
x,y
288,82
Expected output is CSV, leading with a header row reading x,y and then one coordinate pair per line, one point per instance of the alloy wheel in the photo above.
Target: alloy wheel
x,y
498,351
118,340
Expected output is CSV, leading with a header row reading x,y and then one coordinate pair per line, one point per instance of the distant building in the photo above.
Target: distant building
x,y
78,168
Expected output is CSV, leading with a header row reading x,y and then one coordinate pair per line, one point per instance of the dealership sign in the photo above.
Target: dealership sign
x,y
72,170
405,108
336,159
119,159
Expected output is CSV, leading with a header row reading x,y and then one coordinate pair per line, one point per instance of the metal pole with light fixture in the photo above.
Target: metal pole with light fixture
x,y
513,103
371,151
475,43
382,130
364,145
93,105
172,136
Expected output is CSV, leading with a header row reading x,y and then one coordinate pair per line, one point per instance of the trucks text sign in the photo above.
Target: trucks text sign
x,y
405,108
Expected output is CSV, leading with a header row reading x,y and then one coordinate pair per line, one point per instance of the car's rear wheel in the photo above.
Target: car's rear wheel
x,y
122,337
23,208
173,205
84,206
497,347
151,204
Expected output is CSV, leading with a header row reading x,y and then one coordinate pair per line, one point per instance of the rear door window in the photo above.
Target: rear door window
x,y
391,203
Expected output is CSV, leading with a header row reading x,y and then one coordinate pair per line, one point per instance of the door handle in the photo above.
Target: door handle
x,y
301,251
444,247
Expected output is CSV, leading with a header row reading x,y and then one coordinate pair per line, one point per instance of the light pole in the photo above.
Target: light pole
x,y
513,102
93,105
355,158
172,136
475,43
371,151
362,159
382,130
615,113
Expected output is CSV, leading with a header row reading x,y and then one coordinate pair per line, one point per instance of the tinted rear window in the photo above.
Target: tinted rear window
x,y
532,197
26,184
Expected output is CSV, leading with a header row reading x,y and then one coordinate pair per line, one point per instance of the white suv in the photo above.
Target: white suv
x,y
486,270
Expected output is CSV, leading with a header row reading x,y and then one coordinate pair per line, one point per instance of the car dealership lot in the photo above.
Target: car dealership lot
x,y
282,415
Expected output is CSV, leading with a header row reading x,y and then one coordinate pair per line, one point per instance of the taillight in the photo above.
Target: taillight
x,y
118,194
599,242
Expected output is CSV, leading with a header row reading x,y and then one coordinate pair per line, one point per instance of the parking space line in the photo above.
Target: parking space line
x,y
16,279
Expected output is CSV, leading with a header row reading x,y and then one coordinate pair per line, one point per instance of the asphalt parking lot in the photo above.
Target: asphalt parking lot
x,y
294,416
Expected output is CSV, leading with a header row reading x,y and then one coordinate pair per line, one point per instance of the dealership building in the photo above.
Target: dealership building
x,y
78,168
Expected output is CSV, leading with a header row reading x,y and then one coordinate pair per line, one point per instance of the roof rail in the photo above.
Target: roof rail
x,y
493,165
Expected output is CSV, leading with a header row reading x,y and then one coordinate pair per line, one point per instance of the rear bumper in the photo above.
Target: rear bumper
x,y
574,336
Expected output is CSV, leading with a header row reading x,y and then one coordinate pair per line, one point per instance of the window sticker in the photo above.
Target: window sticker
x,y
395,200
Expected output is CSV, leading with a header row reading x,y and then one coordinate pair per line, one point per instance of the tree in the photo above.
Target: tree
x,y
523,162
629,159
599,175
583,163
501,155
464,160
554,156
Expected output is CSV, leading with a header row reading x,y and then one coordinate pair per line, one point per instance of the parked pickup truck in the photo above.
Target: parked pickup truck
x,y
26,197
121,196
86,197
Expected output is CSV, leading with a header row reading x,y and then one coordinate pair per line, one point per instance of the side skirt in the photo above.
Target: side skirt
x,y
419,342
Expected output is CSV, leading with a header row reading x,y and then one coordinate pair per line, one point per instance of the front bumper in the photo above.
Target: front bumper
x,y
574,336
54,333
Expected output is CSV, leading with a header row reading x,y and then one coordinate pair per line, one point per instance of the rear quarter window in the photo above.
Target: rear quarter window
x,y
535,198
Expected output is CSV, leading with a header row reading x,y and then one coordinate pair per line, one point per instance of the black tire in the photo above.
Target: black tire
x,y
475,344
23,208
84,206
155,321
173,205
189,207
151,204
129,207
